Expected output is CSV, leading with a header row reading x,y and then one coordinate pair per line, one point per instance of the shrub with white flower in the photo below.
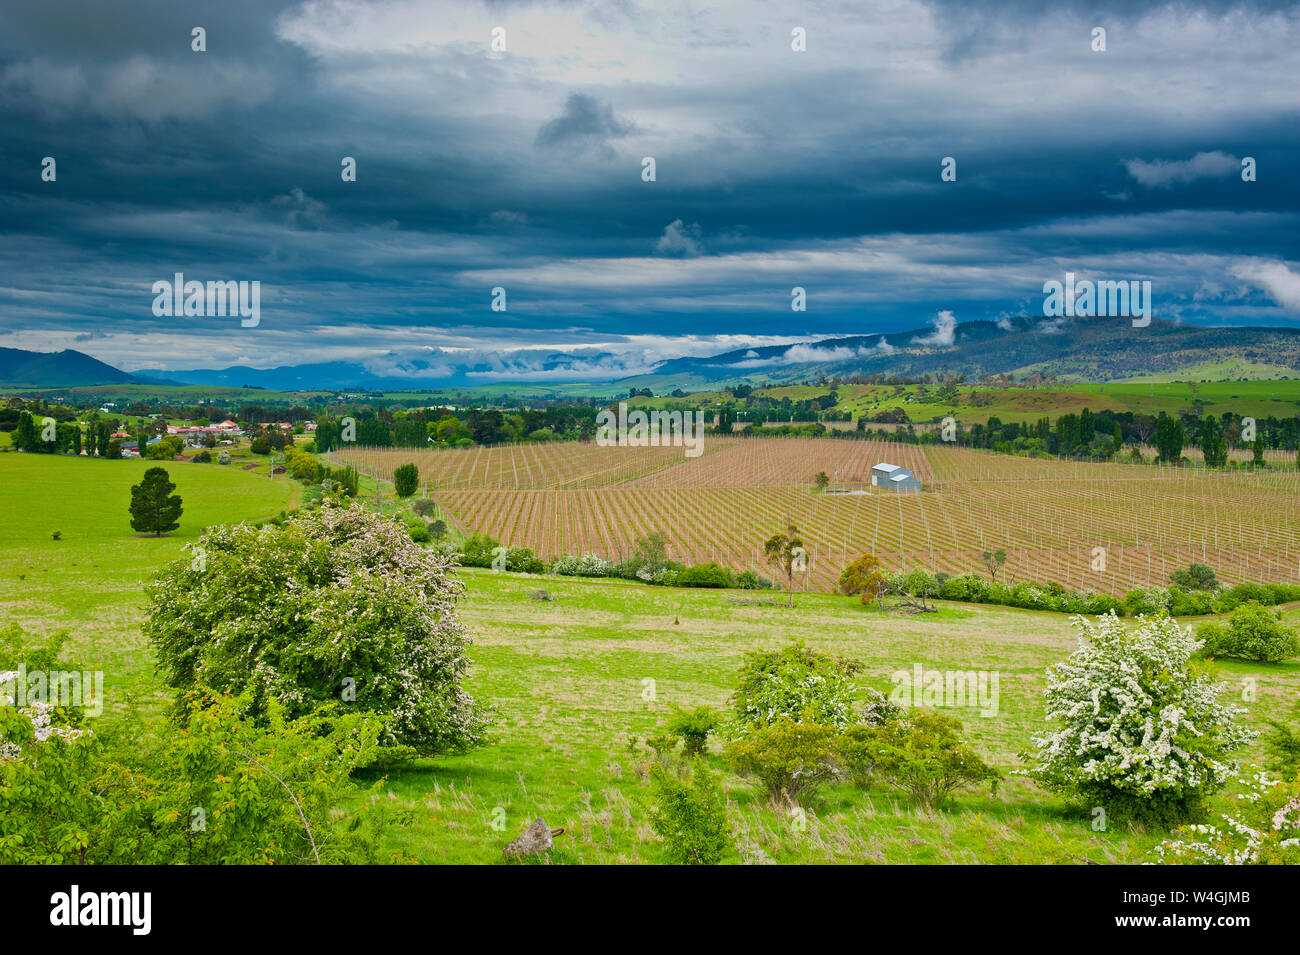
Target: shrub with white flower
x,y
37,723
795,684
591,565
1260,826
1141,730
335,605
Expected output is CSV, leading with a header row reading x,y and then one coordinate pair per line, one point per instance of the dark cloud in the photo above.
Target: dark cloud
x,y
774,168
584,123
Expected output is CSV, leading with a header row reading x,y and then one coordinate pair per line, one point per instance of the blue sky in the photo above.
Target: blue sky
x,y
522,169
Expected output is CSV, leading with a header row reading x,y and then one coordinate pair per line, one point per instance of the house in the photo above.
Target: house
x,y
895,476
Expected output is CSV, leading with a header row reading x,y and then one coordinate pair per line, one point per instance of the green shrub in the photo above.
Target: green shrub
x,y
216,788
705,575
1253,633
923,753
1191,603
1282,743
478,551
693,728
1195,577
520,560
406,480
791,759
748,580
690,816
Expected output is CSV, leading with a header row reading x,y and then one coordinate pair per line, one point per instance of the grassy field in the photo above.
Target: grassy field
x,y
569,679
90,581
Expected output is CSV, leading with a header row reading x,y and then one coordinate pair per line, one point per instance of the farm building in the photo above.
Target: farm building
x,y
895,476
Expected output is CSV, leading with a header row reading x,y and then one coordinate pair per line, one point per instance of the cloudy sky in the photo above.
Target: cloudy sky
x,y
522,169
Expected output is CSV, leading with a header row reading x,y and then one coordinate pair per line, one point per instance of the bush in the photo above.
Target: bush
x,y
748,580
1147,601
217,789
1190,603
1195,577
705,575
223,457
203,457
790,758
793,684
424,507
1253,633
419,531
164,449
864,577
478,551
855,753
1142,731
334,603
690,816
1282,743
923,754
406,480
260,445
520,560
589,566
693,727
1261,827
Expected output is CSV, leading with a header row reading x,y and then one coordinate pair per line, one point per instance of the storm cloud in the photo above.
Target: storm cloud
x,y
522,169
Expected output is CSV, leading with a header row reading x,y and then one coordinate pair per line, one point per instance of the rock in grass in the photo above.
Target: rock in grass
x,y
537,838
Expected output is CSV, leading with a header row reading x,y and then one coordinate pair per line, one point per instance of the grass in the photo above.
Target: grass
x,y
569,678
90,582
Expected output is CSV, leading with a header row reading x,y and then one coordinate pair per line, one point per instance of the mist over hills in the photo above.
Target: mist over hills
x,y
1084,349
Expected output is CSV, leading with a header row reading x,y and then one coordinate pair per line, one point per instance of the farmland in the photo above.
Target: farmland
x,y
1050,516
568,678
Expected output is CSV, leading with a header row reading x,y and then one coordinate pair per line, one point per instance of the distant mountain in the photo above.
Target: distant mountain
x,y
1081,349
1084,349
436,369
63,369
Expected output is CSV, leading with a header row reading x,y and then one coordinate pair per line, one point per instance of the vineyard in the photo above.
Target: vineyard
x,y
1101,526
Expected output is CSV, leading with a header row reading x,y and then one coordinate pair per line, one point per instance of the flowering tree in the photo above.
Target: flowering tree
x,y
337,604
793,683
1140,730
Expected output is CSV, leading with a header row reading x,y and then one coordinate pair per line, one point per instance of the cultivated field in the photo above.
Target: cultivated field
x,y
1050,516
568,677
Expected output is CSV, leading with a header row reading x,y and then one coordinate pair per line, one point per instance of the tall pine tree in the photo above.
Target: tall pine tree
x,y
154,508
